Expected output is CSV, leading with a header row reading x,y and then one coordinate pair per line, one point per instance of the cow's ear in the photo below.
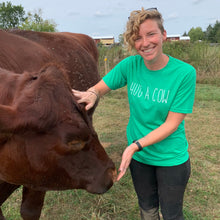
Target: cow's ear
x,y
70,147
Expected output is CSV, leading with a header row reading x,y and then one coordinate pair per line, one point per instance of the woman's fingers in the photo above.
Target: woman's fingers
x,y
90,105
78,94
85,97
121,174
126,159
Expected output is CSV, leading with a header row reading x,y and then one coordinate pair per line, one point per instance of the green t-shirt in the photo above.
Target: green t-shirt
x,y
151,95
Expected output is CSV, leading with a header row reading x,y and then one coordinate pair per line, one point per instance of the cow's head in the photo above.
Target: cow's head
x,y
49,141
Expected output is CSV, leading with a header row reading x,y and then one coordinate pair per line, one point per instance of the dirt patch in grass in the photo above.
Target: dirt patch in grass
x,y
106,144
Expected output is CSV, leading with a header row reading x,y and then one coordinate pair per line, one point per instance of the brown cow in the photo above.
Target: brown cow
x,y
47,141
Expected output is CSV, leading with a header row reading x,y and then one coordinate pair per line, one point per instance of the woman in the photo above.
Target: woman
x,y
160,93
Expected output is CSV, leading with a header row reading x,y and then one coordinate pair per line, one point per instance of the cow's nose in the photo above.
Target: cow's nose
x,y
111,176
104,182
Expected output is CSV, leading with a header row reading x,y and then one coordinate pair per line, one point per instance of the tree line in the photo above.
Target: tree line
x,y
14,16
212,33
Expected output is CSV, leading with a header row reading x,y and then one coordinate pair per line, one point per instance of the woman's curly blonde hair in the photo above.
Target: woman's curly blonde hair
x,y
136,18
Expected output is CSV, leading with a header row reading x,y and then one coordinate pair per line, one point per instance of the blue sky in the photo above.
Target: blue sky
x,y
109,17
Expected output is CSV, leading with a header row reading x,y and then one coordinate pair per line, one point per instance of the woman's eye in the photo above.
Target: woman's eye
x,y
138,38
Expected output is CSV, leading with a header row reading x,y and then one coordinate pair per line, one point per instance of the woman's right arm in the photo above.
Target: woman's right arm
x,y
91,96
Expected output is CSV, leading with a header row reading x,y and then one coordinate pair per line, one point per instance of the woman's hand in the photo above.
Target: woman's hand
x,y
92,95
89,97
126,159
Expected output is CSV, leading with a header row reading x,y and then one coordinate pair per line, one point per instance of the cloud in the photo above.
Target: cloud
x,y
101,14
172,16
73,13
196,2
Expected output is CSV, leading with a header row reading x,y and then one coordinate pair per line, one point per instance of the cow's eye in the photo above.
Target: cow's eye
x,y
70,147
76,145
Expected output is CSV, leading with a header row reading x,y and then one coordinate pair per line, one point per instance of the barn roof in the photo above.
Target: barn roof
x,y
103,37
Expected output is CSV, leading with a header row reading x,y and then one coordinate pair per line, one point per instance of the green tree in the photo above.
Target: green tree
x,y
214,33
185,34
208,32
196,34
11,16
121,39
217,40
35,22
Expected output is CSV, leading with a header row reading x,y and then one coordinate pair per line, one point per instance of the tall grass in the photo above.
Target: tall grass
x,y
203,56
113,54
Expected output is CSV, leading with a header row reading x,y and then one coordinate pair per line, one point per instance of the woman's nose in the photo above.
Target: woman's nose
x,y
145,41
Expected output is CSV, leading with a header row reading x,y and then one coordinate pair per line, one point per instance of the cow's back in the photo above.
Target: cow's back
x,y
19,54
29,51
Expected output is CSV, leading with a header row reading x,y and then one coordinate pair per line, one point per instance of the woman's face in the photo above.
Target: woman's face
x,y
149,42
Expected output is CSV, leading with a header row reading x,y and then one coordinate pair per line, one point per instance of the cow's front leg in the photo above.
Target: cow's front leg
x,y
6,189
32,203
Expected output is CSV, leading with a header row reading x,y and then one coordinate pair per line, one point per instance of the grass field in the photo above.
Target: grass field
x,y
202,197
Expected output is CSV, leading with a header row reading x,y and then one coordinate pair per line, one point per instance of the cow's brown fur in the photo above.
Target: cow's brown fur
x,y
47,141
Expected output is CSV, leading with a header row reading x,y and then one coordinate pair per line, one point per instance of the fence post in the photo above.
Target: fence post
x,y
106,67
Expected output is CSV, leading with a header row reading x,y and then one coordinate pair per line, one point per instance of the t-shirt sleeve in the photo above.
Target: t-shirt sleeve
x,y
184,99
117,78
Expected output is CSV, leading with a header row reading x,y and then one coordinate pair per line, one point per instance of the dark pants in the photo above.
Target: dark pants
x,y
162,186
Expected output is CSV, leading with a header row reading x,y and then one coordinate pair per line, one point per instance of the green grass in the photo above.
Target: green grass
x,y
202,197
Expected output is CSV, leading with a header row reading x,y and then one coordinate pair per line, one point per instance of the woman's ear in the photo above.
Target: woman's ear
x,y
164,35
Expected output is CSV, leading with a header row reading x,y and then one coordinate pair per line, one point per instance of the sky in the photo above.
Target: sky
x,y
98,18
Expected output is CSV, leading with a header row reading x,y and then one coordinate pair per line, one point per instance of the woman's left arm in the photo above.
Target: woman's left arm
x,y
171,124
